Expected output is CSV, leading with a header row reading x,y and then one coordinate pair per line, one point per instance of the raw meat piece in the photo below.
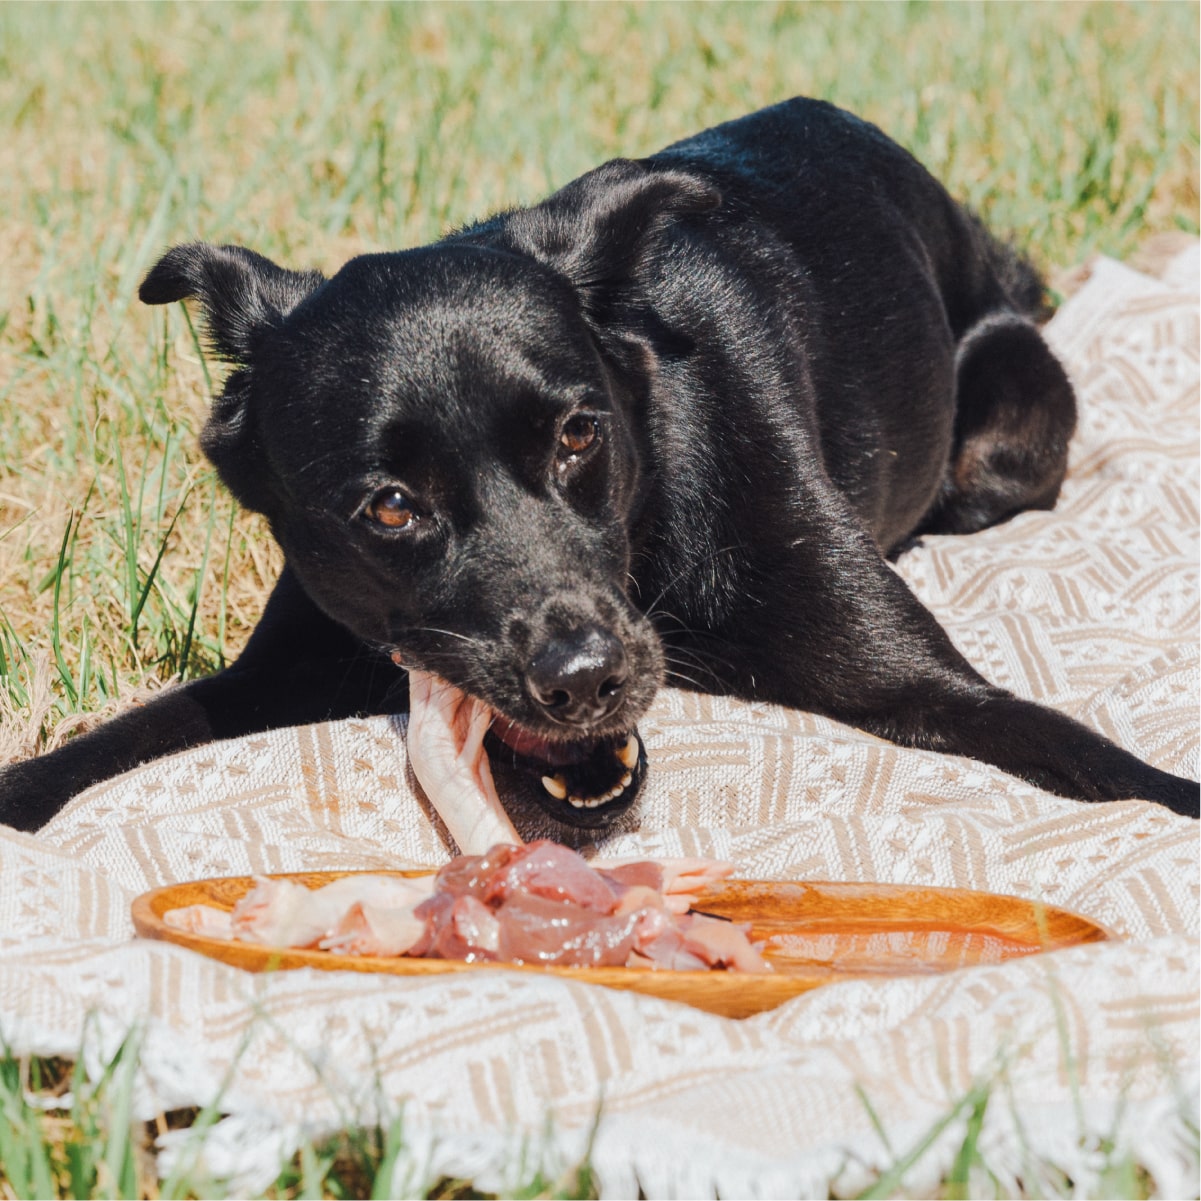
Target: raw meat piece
x,y
546,869
201,919
473,873
477,926
283,913
458,927
639,896
537,904
367,929
642,873
720,943
666,949
525,928
538,930
682,879
550,907
446,752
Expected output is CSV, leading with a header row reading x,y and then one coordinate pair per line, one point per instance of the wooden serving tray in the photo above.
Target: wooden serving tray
x,y
816,933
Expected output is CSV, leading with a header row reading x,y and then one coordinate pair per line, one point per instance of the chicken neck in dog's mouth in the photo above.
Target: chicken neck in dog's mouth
x,y
581,782
466,756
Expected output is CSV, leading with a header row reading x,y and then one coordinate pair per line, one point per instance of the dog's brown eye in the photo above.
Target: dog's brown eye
x,y
390,507
578,434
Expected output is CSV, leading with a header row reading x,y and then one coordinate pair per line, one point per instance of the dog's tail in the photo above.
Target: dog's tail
x,y
1022,281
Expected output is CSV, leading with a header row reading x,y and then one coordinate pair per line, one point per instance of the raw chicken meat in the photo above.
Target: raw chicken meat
x,y
540,903
446,752
367,929
282,913
681,879
358,914
201,919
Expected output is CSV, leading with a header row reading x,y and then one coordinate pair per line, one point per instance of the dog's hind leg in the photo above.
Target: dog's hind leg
x,y
1014,415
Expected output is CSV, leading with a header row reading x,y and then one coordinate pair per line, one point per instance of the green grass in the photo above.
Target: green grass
x,y
319,132
316,132
64,1134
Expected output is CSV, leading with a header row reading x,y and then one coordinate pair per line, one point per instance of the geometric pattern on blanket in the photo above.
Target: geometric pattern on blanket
x,y
1092,609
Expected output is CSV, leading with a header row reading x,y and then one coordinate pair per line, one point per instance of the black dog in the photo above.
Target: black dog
x,y
669,423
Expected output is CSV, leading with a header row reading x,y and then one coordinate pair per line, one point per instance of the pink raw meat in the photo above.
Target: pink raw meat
x,y
666,949
446,752
367,929
642,873
458,927
537,904
538,930
546,869
283,913
548,906
720,943
474,873
200,919
683,879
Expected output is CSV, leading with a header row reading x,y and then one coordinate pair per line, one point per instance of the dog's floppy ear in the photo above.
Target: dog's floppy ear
x,y
243,296
595,230
242,293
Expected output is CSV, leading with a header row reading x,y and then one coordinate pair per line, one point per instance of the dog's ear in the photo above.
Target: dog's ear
x,y
242,293
596,229
243,296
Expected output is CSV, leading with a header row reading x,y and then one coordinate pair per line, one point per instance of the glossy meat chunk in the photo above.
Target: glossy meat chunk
x,y
540,903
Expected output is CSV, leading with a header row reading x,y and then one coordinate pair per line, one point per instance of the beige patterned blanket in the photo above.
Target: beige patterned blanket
x,y
1092,609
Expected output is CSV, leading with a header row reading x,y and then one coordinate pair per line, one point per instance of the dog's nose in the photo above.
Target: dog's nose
x,y
580,677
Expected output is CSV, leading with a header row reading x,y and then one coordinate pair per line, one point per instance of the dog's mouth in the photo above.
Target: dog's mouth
x,y
585,781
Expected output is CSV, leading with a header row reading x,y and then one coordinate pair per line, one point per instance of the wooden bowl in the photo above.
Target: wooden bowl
x,y
815,933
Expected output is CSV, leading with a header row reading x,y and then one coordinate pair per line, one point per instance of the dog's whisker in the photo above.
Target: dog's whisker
x,y
674,673
688,570
676,669
448,634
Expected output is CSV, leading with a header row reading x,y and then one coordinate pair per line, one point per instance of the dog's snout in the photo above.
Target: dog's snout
x,y
580,677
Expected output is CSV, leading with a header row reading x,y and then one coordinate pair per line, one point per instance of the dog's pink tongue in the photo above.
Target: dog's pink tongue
x,y
446,751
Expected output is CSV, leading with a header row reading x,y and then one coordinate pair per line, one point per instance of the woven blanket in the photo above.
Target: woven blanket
x,y
1092,609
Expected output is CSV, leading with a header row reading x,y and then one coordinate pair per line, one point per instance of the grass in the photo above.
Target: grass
x,y
319,132
316,132
64,1134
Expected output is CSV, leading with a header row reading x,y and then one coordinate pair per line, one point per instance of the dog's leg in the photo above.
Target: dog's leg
x,y
298,667
837,631
1014,415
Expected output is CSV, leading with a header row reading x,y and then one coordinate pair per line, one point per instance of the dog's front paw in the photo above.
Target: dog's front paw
x,y
32,791
1176,793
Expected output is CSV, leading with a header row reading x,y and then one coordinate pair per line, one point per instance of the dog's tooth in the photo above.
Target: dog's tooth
x,y
629,753
553,784
556,786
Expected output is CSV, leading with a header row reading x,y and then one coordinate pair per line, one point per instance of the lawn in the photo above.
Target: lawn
x,y
315,133
312,133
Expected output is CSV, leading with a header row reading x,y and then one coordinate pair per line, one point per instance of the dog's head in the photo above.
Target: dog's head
x,y
448,445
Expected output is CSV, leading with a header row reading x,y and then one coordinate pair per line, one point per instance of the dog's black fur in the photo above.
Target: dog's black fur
x,y
670,423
